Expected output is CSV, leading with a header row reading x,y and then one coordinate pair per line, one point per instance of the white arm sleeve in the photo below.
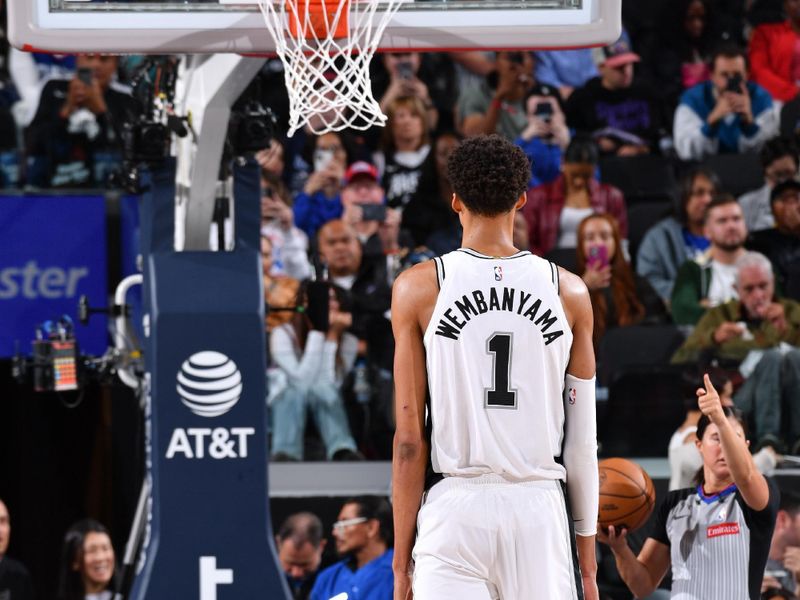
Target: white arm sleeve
x,y
580,453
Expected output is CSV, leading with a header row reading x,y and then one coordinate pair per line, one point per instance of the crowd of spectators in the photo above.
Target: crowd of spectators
x,y
343,213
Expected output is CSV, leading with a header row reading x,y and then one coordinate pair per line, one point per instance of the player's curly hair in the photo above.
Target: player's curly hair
x,y
489,174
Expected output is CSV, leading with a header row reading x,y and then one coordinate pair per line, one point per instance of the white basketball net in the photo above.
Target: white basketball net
x,y
328,79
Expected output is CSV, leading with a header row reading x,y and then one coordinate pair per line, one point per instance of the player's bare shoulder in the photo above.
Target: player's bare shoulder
x,y
574,296
414,293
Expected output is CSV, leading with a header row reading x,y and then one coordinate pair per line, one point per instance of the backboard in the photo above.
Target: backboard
x,y
218,26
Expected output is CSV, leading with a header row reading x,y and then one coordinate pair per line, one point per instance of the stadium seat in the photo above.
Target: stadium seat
x,y
622,348
642,217
564,257
645,176
739,173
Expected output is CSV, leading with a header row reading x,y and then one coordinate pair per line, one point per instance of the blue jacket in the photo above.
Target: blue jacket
x,y
373,581
545,160
695,138
312,212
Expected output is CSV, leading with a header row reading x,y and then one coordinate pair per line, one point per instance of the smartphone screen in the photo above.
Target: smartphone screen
x,y
598,257
85,75
322,159
373,212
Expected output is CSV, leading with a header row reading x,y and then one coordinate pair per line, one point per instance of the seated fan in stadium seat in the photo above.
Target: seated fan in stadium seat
x,y
620,298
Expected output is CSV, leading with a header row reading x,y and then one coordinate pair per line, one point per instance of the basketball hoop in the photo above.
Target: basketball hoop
x,y
326,47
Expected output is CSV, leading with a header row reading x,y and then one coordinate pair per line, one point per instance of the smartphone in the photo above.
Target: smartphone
x,y
317,304
543,110
598,257
405,70
322,159
85,75
373,212
734,84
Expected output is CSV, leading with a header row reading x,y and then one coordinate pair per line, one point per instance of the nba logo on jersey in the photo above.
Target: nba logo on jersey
x,y
573,394
498,273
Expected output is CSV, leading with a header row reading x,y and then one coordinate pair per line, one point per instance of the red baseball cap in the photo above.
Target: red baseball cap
x,y
361,168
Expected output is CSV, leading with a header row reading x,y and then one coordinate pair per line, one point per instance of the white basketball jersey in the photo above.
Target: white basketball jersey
x,y
498,344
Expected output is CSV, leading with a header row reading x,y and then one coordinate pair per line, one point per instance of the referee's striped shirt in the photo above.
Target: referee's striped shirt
x,y
718,544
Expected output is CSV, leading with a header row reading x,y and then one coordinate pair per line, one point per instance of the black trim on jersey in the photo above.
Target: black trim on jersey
x,y
552,274
477,254
438,276
573,543
558,281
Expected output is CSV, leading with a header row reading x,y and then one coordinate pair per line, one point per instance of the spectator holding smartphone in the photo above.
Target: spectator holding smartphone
x,y
312,355
403,70
289,243
74,139
727,114
546,135
364,201
496,105
320,200
619,296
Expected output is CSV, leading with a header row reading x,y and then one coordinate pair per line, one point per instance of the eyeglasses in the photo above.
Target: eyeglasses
x,y
340,526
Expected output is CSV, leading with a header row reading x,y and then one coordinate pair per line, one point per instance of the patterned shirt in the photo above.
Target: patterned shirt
x,y
718,545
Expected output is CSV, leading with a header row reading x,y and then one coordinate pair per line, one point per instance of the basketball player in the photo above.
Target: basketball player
x,y
502,340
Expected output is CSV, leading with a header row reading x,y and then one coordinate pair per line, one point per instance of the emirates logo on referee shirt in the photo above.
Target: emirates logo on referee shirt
x,y
722,529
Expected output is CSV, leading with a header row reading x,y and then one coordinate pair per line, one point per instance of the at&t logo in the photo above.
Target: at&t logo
x,y
209,385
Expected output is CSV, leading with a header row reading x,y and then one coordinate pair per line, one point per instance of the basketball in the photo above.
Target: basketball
x,y
627,495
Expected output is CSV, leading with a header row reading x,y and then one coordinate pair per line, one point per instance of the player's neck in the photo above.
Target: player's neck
x,y
490,236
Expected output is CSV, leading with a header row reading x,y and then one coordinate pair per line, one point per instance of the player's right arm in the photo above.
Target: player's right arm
x,y
413,295
642,573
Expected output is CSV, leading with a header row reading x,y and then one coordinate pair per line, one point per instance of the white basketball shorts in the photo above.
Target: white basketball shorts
x,y
485,538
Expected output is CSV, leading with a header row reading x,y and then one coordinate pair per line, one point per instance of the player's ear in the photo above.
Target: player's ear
x,y
456,204
521,201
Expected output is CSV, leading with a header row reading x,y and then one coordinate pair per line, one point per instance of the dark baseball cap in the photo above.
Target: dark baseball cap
x,y
783,186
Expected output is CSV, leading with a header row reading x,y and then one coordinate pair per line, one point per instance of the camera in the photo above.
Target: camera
x,y
251,129
322,158
734,84
145,141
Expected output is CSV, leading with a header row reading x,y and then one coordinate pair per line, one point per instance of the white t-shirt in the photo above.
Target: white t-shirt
x,y
723,278
568,225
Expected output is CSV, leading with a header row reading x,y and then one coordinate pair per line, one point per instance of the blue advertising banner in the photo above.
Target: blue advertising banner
x,y
52,250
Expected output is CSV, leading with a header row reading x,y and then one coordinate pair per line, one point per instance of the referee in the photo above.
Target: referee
x,y
716,536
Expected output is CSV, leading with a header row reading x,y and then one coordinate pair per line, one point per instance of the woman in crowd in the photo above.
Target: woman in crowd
x,y
312,355
619,297
715,537
320,201
555,209
405,158
87,563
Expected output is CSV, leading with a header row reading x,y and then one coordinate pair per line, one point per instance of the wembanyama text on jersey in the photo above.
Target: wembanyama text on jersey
x,y
497,348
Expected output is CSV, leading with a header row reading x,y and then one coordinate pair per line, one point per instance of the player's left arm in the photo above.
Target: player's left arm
x,y
580,441
410,297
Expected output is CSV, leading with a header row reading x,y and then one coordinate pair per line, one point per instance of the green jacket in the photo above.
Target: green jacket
x,y
764,334
691,286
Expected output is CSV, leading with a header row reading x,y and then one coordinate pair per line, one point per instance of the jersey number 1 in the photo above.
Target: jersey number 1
x,y
500,396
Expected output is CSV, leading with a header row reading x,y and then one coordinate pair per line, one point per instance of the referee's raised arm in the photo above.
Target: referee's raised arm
x,y
750,482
